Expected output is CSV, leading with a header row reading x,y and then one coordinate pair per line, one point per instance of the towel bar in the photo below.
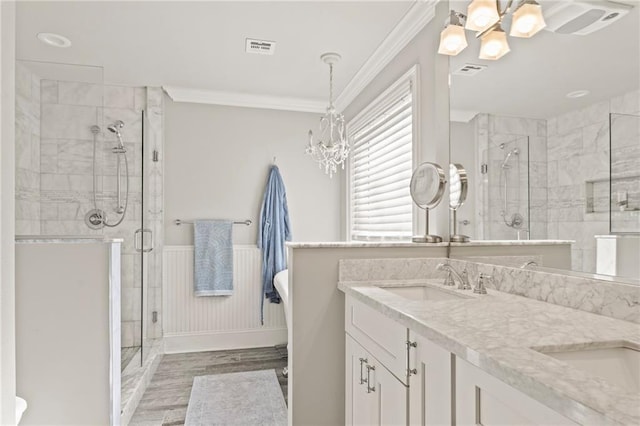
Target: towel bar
x,y
179,222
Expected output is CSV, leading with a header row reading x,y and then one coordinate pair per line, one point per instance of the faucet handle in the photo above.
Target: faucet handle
x,y
464,280
480,287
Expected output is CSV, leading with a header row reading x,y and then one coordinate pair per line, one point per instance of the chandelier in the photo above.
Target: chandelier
x,y
332,148
485,17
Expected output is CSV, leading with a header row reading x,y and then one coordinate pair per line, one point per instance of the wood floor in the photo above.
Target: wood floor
x,y
165,400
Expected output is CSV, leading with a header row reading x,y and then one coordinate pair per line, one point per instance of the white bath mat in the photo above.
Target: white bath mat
x,y
248,398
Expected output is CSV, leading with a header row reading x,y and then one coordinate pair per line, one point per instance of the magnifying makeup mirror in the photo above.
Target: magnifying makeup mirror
x,y
427,188
458,187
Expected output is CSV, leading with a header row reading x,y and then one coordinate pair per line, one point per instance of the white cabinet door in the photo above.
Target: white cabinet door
x,y
430,383
359,404
482,399
374,396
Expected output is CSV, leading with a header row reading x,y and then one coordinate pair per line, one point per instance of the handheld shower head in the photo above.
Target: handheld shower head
x,y
514,151
115,128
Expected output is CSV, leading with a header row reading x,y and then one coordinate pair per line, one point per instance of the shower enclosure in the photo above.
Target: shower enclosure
x,y
506,188
85,166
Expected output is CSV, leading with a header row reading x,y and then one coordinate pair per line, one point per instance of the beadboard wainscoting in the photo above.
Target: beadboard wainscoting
x,y
193,324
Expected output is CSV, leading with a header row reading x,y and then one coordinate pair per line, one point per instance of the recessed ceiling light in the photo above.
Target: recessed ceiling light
x,y
55,40
578,94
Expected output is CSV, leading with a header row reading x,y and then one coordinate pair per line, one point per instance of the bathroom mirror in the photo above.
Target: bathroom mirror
x,y
458,187
545,131
427,189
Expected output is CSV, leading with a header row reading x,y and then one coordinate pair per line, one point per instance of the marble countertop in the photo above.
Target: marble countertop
x,y
496,332
347,244
511,243
341,244
73,239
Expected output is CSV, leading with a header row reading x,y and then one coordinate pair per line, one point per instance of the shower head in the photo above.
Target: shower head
x,y
115,127
514,151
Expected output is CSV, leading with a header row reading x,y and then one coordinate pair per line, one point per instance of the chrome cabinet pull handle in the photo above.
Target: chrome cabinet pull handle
x,y
362,361
369,387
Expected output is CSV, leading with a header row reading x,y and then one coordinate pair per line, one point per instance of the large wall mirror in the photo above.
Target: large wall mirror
x,y
550,137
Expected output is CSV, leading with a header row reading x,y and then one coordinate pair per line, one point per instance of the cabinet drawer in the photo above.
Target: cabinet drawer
x,y
483,399
384,338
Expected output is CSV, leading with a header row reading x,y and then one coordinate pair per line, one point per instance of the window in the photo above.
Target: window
x,y
380,165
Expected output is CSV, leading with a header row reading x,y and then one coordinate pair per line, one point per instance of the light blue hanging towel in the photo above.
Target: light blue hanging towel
x,y
274,230
213,269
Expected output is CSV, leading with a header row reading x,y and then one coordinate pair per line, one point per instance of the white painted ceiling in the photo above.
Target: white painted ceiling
x,y
201,44
533,79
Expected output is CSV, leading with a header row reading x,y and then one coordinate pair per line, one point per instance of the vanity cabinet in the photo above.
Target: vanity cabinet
x,y
430,383
374,396
382,336
483,399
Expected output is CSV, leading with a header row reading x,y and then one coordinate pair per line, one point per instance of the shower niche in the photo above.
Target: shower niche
x,y
84,167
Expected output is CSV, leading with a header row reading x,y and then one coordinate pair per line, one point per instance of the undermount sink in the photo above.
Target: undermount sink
x,y
423,293
618,365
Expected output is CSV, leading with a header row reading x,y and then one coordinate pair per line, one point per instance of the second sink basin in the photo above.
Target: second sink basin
x,y
617,365
423,293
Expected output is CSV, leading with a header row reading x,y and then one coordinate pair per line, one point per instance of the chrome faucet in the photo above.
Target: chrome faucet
x,y
480,287
463,279
528,263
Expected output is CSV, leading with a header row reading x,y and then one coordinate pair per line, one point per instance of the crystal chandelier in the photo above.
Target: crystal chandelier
x,y
332,148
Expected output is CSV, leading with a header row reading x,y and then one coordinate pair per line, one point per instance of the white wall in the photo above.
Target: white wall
x,y
217,160
7,213
433,100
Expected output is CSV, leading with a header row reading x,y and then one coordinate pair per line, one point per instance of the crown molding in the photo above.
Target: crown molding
x,y
462,116
214,97
419,15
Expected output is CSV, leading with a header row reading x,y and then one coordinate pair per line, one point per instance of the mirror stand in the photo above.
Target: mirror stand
x,y
455,237
426,238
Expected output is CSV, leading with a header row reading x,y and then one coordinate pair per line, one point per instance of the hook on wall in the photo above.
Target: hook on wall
x,y
274,160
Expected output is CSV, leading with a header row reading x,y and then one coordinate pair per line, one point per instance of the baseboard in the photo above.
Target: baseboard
x,y
223,340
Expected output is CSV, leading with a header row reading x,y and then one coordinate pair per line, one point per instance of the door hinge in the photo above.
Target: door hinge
x,y
484,168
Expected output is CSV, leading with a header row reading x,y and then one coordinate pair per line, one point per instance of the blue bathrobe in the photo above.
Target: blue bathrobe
x,y
274,230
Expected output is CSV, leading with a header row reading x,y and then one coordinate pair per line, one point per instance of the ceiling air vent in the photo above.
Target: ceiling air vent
x,y
261,47
582,17
469,69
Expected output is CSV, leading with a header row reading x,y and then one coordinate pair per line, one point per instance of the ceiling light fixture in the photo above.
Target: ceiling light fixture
x,y
55,40
486,17
332,149
482,14
577,94
494,44
453,39
527,19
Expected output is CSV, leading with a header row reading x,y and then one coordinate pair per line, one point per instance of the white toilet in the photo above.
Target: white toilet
x,y
281,282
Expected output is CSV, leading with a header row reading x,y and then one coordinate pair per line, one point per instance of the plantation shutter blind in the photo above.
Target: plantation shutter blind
x,y
380,167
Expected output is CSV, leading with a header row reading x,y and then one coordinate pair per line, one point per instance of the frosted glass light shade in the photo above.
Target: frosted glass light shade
x,y
452,40
527,20
482,14
494,45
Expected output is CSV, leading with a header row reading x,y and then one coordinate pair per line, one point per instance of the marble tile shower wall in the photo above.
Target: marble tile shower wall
x,y
27,151
625,164
578,152
527,188
54,189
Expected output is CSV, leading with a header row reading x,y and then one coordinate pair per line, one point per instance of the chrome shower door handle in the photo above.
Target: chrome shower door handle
x,y
138,240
